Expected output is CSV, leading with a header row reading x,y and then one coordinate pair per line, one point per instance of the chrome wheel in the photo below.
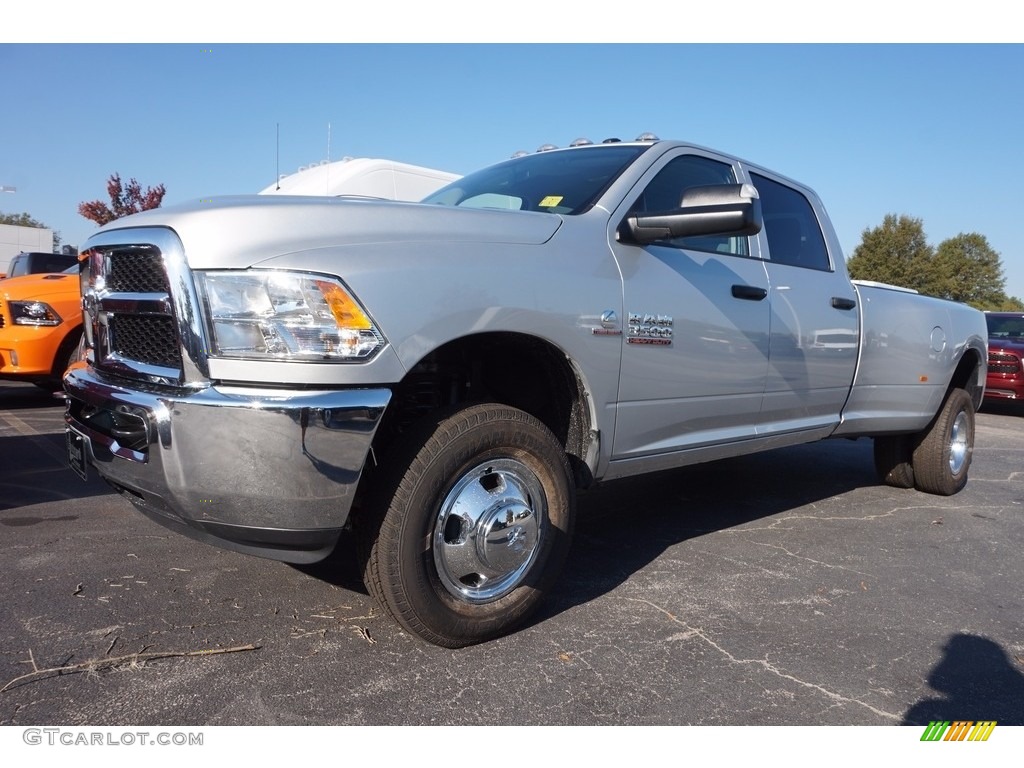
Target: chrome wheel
x,y
469,523
942,452
959,443
488,530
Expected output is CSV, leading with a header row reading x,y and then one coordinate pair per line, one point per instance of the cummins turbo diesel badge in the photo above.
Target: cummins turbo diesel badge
x,y
649,329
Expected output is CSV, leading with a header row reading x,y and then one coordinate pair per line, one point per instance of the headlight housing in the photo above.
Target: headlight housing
x,y
33,313
293,316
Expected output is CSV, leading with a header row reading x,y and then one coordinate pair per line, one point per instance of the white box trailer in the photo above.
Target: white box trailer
x,y
365,177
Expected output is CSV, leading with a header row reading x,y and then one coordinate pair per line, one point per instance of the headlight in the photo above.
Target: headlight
x,y
33,313
285,316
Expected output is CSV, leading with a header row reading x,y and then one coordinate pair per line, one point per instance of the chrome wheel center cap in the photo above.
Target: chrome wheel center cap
x,y
488,530
506,537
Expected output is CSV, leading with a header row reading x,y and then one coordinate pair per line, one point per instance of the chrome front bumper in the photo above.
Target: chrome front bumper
x,y
262,471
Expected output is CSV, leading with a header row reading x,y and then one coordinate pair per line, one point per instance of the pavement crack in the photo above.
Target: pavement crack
x,y
764,663
811,559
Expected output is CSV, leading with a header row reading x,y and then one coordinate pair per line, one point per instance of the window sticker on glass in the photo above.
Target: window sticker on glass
x,y
550,201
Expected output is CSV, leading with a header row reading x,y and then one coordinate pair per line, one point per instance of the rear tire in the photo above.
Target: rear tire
x,y
469,526
942,456
894,460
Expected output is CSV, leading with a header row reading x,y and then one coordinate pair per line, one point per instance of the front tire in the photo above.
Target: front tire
x,y
470,525
942,456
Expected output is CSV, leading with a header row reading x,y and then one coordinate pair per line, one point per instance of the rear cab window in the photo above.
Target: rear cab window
x,y
790,226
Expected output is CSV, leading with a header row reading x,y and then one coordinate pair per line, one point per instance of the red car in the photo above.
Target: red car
x,y
1005,356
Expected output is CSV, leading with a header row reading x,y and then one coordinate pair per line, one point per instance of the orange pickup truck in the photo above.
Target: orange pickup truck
x,y
40,326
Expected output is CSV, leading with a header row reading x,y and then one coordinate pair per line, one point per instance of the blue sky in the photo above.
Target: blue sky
x,y
931,131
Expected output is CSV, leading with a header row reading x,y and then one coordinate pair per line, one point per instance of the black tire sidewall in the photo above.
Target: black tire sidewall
x,y
893,455
932,473
501,433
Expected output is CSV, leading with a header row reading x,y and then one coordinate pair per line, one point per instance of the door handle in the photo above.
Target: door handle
x,y
748,292
840,303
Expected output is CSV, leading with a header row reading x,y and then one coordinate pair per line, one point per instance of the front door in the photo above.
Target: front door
x,y
696,331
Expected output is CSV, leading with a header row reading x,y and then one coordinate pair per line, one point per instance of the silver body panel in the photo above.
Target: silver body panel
x,y
909,349
815,357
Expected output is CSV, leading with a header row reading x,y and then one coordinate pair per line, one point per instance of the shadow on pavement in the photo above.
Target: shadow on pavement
x,y
623,526
16,396
34,470
1003,408
627,524
977,681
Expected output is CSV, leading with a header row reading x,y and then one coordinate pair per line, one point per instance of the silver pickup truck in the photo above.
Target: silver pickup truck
x,y
444,376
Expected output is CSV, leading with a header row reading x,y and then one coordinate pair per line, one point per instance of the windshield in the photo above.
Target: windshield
x,y
1003,327
559,181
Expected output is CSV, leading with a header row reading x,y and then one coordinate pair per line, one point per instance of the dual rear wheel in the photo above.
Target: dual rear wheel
x,y
937,459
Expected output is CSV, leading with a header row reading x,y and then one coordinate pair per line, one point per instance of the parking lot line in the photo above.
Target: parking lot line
x,y
34,436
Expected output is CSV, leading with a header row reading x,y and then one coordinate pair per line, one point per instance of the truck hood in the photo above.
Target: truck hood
x,y
39,287
237,232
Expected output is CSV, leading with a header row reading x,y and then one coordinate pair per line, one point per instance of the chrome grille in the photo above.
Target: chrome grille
x,y
137,271
1003,363
149,339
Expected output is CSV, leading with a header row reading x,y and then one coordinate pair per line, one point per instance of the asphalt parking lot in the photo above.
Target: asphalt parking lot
x,y
785,588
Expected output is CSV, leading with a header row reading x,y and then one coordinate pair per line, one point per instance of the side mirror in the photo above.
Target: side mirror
x,y
720,209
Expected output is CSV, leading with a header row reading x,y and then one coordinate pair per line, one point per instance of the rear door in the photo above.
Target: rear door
x,y
814,316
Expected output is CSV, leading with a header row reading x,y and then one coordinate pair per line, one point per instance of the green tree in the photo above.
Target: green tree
x,y
21,220
24,220
124,200
968,270
1009,304
897,252
963,268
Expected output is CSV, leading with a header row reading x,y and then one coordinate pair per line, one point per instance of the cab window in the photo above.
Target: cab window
x,y
794,237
